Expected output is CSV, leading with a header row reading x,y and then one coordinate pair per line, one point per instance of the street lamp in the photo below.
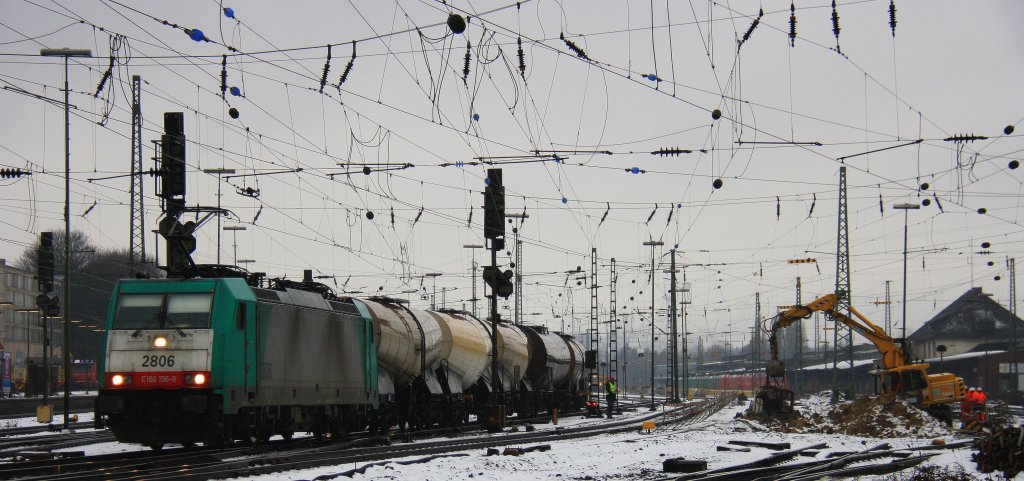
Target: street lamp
x,y
219,172
474,247
906,209
66,53
653,244
234,229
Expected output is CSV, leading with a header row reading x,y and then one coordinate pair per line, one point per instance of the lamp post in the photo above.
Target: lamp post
x,y
653,244
66,53
433,296
474,247
906,210
234,229
219,172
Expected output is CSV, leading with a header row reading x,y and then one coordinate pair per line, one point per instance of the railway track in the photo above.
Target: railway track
x,y
771,467
247,462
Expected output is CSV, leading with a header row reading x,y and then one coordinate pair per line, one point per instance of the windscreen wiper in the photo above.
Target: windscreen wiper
x,y
176,328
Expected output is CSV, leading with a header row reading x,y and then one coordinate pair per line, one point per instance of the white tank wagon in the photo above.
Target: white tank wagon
x,y
551,359
575,379
465,350
513,355
408,342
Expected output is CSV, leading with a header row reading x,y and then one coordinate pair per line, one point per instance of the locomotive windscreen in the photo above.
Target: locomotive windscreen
x,y
161,311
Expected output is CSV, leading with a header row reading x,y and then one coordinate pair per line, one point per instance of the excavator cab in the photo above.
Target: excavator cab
x,y
907,383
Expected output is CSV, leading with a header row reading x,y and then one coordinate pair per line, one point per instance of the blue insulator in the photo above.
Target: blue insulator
x,y
565,201
652,77
487,181
679,206
229,12
196,34
236,91
476,117
635,170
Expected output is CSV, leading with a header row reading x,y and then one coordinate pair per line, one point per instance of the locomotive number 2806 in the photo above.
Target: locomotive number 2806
x,y
158,361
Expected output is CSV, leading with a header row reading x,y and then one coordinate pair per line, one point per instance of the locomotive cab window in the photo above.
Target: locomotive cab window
x,y
163,311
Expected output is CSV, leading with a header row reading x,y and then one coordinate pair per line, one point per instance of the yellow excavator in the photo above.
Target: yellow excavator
x,y
934,393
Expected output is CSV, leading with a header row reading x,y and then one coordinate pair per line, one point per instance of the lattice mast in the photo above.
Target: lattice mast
x,y
799,372
595,380
613,325
842,336
137,234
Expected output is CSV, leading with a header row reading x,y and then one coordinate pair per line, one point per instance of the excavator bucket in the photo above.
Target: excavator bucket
x,y
772,402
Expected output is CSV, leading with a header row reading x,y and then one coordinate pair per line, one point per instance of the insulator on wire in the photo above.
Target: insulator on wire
x,y
937,203
670,212
223,75
13,173
750,30
469,222
327,68
606,211
106,76
892,17
881,205
655,211
572,46
814,200
465,67
778,208
392,216
674,151
835,25
418,215
522,58
965,138
792,24
348,66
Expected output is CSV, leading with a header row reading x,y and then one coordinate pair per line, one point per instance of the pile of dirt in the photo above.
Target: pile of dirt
x,y
866,416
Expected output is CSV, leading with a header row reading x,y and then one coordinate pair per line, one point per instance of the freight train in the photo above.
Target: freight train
x,y
215,360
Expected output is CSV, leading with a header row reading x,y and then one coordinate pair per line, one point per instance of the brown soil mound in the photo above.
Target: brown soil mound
x,y
867,416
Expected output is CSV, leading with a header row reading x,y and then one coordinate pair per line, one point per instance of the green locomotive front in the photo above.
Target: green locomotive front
x,y
215,360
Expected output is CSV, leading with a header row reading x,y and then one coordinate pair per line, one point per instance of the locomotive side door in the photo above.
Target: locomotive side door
x,y
246,313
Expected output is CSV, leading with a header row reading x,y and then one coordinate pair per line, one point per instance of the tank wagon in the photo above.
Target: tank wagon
x,y
216,360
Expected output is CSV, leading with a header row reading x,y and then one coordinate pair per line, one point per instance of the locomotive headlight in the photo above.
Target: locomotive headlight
x,y
199,379
159,341
117,380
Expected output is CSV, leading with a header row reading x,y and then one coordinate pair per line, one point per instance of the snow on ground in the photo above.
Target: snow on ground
x,y
623,456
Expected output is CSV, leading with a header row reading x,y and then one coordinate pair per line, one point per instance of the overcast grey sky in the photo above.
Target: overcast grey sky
x,y
952,68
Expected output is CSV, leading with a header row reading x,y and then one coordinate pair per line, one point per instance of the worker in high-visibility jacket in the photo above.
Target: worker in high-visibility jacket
x,y
967,407
980,399
611,394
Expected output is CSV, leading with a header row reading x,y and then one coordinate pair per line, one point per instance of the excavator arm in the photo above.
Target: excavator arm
x,y
892,354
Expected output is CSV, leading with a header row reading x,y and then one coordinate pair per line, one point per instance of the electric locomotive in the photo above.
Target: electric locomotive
x,y
214,360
